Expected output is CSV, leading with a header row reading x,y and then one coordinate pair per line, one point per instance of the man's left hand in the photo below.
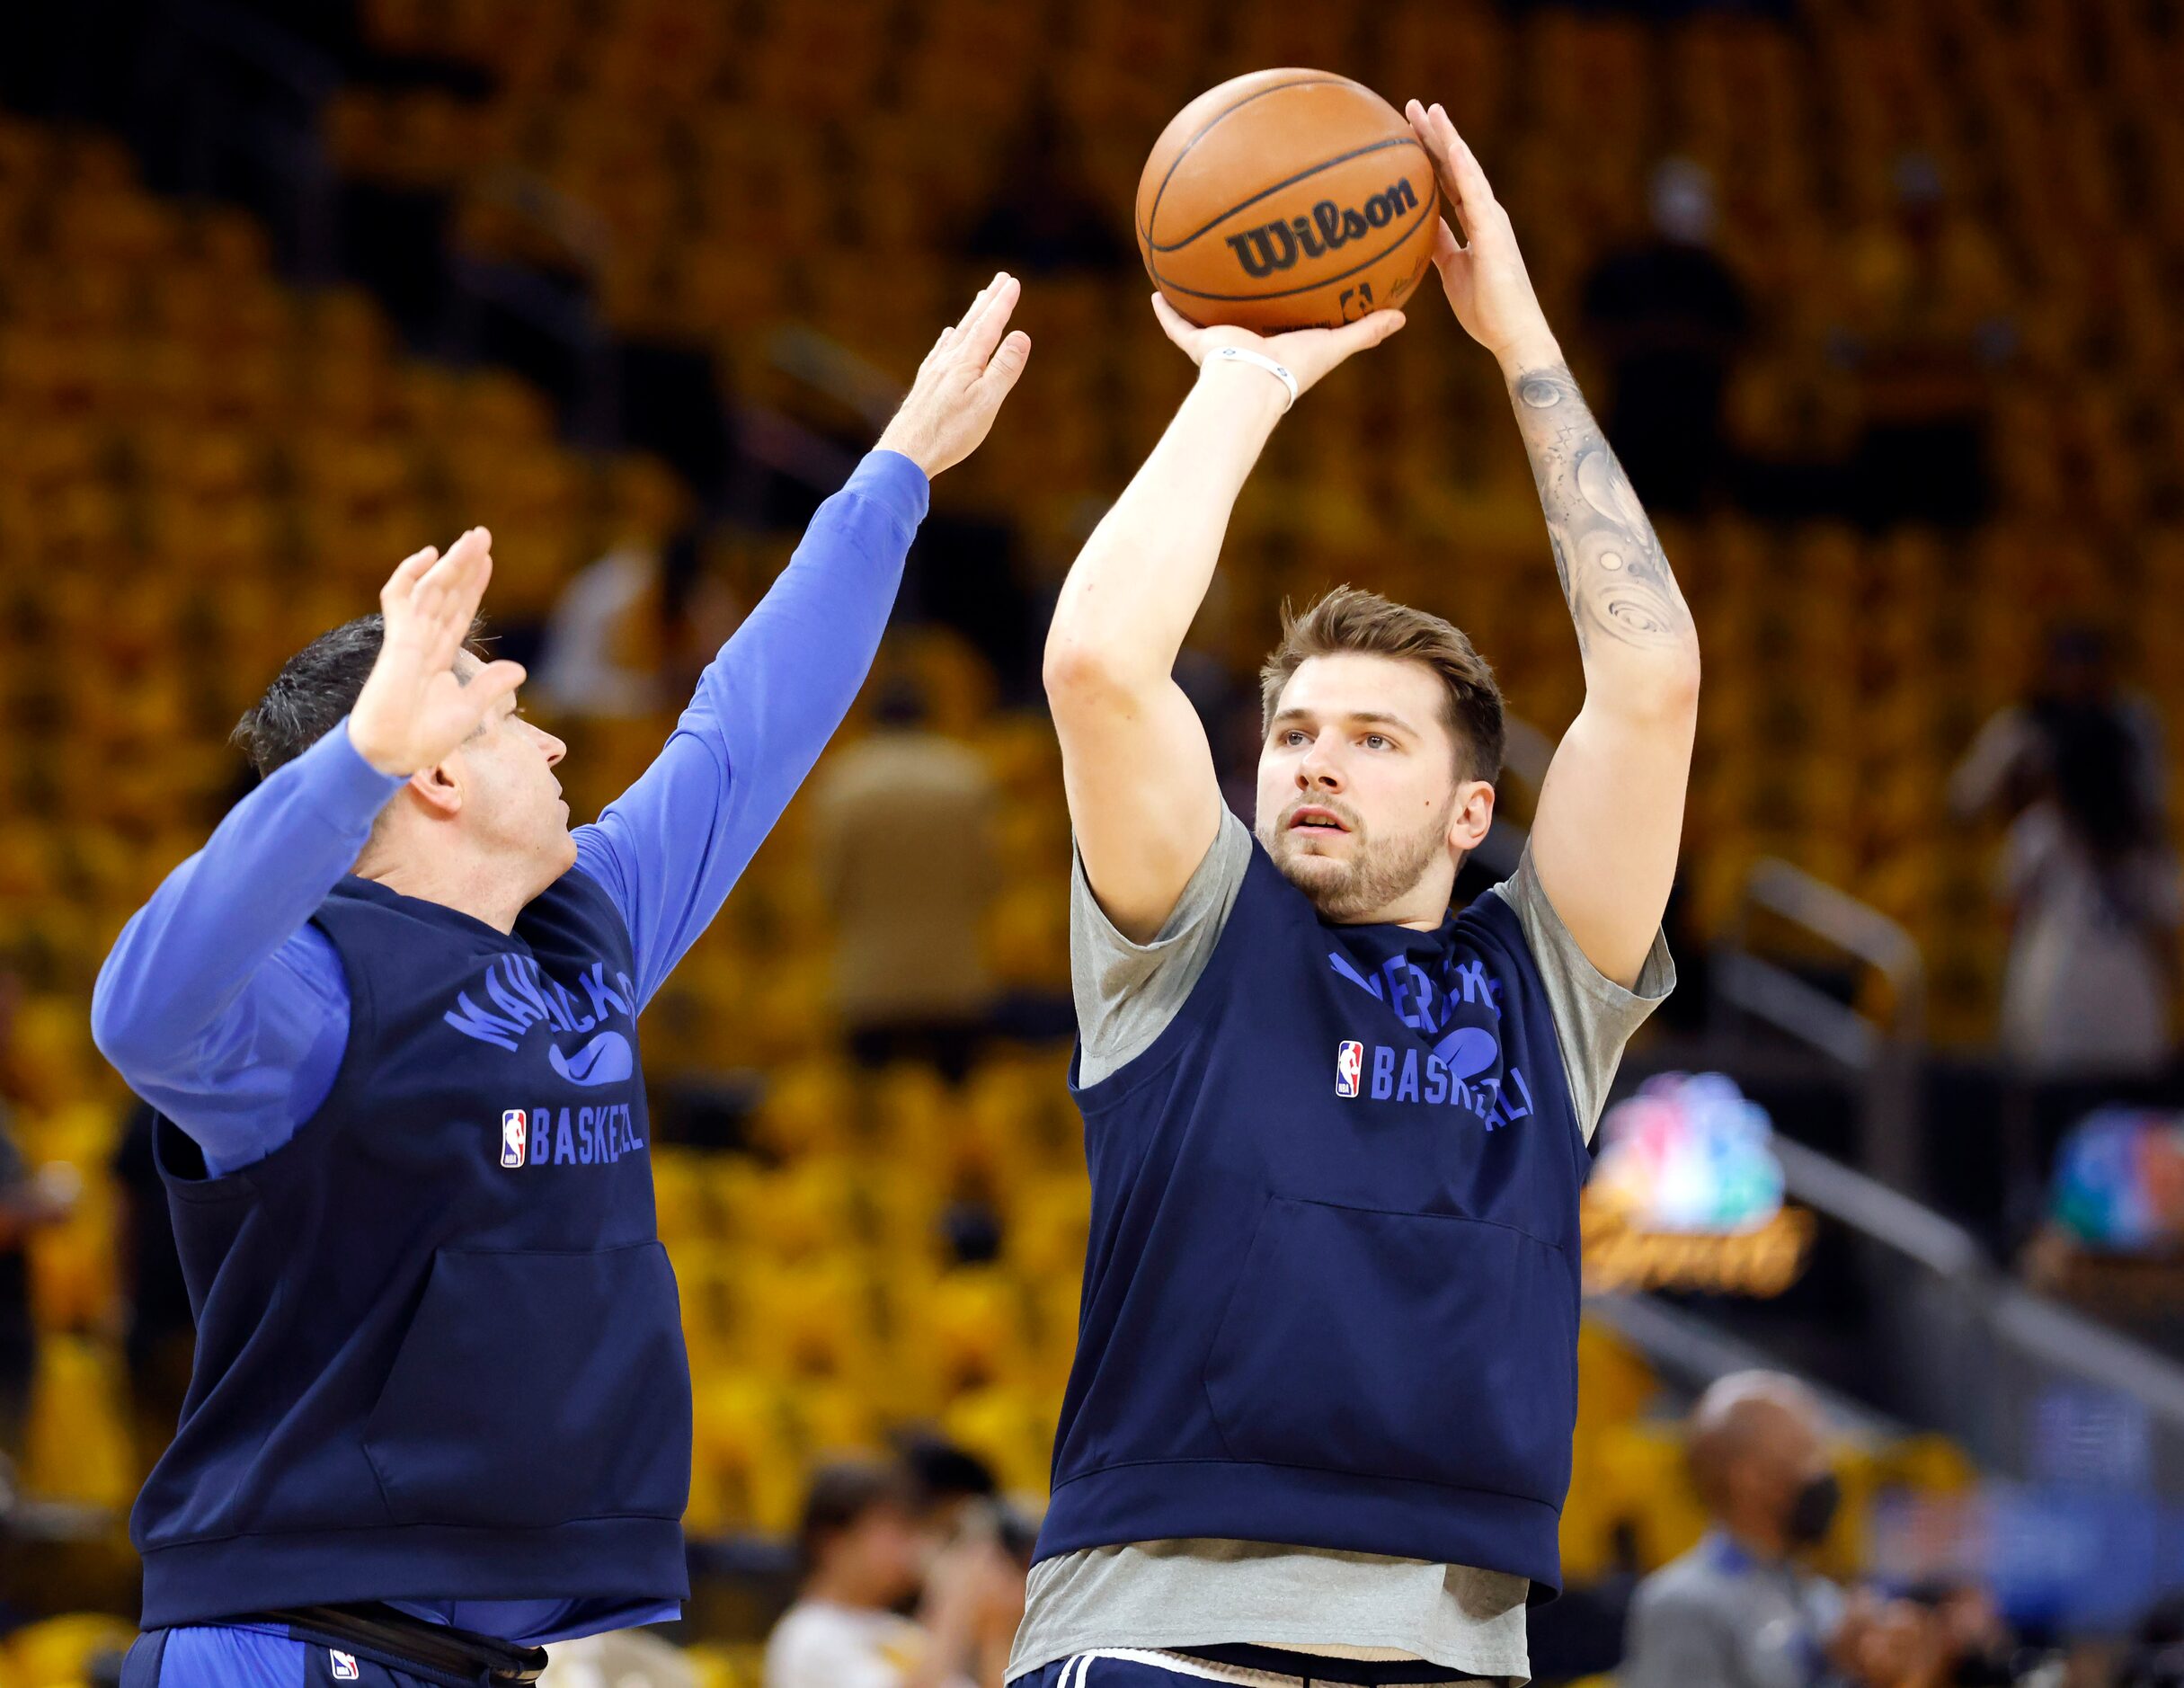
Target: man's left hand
x,y
1484,275
959,387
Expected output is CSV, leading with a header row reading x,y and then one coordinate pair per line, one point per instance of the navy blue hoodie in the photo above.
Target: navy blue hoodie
x,y
439,1352
1331,1298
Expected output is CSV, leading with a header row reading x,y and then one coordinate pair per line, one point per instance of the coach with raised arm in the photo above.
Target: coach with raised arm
x,y
440,1413
1319,1427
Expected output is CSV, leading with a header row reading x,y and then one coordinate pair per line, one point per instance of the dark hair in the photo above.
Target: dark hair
x,y
1349,618
2093,763
839,1496
314,689
942,1471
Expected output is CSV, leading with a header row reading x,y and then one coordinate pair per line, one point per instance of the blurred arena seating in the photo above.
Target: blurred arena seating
x,y
205,465
827,166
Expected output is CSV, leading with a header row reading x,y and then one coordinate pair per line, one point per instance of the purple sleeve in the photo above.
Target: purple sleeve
x,y
221,1007
667,849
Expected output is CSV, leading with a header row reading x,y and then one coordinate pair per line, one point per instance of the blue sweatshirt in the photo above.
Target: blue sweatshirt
x,y
1331,1292
230,1012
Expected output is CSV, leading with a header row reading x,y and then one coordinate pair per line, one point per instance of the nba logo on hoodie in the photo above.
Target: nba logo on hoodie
x,y
514,1137
1349,1067
345,1666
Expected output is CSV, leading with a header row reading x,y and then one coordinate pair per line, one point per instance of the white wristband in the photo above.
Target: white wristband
x,y
1260,360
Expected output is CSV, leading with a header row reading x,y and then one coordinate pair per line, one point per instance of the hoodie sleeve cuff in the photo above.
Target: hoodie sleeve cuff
x,y
894,482
347,788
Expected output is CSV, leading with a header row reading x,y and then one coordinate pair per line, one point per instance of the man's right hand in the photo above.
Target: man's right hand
x,y
413,710
1307,353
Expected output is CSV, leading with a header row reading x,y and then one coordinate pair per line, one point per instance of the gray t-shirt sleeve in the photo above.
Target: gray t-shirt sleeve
x,y
1594,1017
1127,993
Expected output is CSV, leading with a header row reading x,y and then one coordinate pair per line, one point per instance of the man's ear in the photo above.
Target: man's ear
x,y
439,789
1471,815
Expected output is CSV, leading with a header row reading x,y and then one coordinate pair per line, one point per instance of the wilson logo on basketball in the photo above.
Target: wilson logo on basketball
x,y
1274,246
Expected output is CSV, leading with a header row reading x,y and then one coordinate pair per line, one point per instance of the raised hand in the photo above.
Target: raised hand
x,y
960,385
413,709
1483,275
1307,353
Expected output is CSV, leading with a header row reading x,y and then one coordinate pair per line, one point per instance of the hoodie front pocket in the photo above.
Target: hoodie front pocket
x,y
538,1388
1418,1347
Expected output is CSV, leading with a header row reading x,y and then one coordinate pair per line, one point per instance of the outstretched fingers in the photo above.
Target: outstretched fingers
x,y
446,600
952,336
978,302
469,586
988,320
1433,137
1472,183
404,580
1007,365
1463,183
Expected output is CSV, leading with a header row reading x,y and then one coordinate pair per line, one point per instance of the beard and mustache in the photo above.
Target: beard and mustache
x,y
1375,872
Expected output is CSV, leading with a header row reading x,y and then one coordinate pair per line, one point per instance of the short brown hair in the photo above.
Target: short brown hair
x,y
1349,618
841,1496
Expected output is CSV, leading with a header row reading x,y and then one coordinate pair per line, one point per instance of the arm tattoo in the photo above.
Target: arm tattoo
x,y
1612,567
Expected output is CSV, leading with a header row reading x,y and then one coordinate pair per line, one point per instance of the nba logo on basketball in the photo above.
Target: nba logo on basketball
x,y
1349,1066
345,1666
514,1136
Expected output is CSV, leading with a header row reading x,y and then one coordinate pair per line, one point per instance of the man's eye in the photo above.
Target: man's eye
x,y
1375,741
1292,738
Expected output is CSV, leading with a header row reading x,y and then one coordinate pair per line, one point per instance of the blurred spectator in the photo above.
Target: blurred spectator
x,y
2086,872
1925,325
634,630
600,657
1967,1645
863,1554
619,1658
902,825
1738,1610
1045,219
1669,316
958,1498
947,1481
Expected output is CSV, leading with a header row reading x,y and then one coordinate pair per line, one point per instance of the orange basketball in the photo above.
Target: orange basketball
x,y
1286,199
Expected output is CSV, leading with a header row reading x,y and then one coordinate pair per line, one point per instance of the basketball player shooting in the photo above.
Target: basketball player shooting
x,y
1318,1427
440,1413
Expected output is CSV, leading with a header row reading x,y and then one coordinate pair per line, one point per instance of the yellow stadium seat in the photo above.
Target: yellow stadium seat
x,y
76,1441
975,1324
1615,1383
1010,1427
1048,1224
808,1109
744,1469
813,1319
58,1652
1644,1486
